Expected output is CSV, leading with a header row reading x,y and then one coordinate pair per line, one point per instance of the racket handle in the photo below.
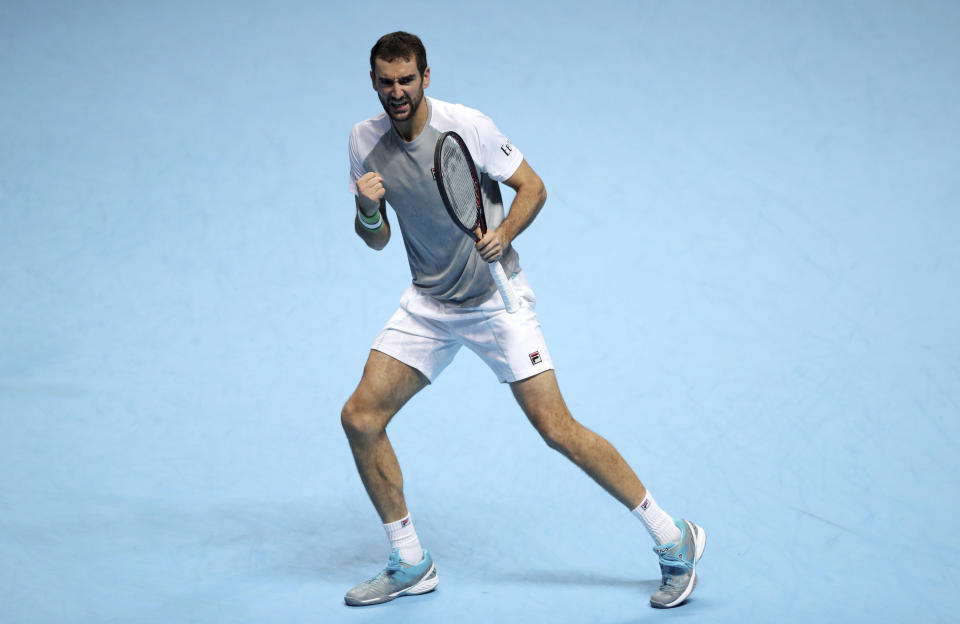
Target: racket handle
x,y
510,299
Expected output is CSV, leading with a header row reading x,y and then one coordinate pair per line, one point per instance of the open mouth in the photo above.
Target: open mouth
x,y
400,106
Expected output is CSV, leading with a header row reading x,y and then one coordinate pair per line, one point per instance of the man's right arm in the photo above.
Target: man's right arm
x,y
371,221
375,239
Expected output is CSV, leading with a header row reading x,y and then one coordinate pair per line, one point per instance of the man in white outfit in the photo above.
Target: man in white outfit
x,y
451,302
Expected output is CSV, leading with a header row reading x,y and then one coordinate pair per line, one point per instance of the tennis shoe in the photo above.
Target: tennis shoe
x,y
399,578
678,563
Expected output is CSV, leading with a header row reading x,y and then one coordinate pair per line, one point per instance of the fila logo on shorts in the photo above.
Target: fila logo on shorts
x,y
507,148
535,357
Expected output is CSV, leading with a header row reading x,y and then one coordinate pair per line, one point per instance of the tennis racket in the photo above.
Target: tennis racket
x,y
460,190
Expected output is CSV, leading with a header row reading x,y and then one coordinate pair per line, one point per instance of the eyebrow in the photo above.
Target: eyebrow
x,y
402,79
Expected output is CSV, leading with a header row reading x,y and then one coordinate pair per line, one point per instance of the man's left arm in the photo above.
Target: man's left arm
x,y
531,195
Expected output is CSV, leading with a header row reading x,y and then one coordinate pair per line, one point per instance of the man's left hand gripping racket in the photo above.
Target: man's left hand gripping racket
x,y
460,189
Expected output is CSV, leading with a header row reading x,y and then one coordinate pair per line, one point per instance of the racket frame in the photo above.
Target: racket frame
x,y
481,221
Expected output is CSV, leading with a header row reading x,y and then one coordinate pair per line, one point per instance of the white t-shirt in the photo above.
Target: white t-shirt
x,y
443,261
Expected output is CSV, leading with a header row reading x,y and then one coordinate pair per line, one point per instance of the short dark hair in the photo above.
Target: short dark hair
x,y
399,45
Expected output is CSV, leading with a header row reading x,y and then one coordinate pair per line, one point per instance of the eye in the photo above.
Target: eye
x,y
405,80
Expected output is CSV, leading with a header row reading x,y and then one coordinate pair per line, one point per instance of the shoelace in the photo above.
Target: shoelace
x,y
391,567
375,579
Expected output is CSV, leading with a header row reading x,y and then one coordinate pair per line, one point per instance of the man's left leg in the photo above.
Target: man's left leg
x,y
539,397
680,543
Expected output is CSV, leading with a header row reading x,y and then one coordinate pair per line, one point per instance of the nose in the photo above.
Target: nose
x,y
396,91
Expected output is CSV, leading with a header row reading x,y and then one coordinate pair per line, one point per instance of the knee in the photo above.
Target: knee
x,y
558,431
360,422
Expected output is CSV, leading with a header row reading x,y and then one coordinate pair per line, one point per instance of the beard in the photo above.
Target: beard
x,y
403,109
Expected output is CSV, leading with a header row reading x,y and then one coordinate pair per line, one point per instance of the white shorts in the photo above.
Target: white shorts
x,y
425,333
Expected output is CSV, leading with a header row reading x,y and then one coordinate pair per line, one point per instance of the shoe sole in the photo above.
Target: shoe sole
x,y
425,585
700,543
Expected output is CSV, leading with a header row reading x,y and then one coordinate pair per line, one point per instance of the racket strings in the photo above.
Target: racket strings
x,y
458,184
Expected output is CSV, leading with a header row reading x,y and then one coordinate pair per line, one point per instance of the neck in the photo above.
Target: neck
x,y
410,129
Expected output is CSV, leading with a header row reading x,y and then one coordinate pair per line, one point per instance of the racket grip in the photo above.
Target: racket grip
x,y
510,299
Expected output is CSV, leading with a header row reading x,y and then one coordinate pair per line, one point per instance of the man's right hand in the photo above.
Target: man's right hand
x,y
371,192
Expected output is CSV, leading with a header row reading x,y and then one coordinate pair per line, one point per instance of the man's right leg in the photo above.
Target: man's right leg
x,y
387,384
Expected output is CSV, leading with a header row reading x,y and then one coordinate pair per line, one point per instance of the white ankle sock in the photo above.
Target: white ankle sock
x,y
659,524
402,535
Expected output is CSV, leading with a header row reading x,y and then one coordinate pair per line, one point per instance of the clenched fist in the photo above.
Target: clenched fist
x,y
371,192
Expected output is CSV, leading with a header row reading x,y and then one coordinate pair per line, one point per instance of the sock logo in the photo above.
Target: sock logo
x,y
404,522
645,504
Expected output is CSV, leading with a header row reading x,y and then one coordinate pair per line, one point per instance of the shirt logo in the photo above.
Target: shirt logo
x,y
433,172
506,148
535,357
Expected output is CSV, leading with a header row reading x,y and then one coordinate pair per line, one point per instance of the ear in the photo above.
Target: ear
x,y
426,78
373,81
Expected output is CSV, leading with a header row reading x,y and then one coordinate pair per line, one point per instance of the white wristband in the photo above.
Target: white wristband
x,y
373,222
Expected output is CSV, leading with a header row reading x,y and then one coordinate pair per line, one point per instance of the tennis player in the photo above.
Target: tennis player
x,y
453,302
